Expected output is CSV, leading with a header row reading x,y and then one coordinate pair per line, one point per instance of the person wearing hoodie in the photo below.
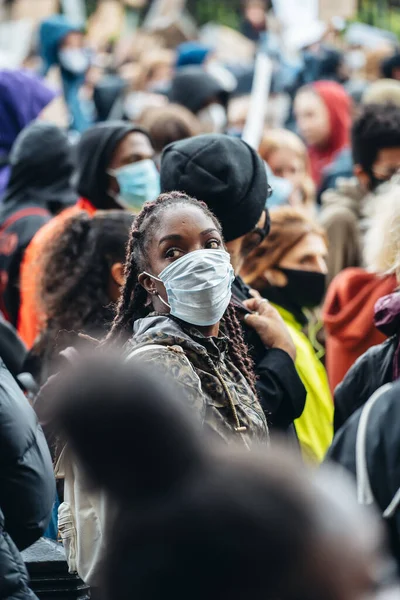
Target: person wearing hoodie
x,y
202,94
230,177
348,312
38,188
376,156
114,170
61,43
323,116
22,99
289,269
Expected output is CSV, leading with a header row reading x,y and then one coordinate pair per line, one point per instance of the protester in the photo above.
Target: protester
x,y
349,305
254,22
27,487
156,70
289,269
62,44
376,155
370,453
81,280
168,124
377,367
175,250
103,149
230,178
323,115
23,97
287,156
203,95
184,507
39,188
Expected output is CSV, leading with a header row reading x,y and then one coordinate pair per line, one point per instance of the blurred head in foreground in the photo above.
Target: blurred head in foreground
x,y
205,521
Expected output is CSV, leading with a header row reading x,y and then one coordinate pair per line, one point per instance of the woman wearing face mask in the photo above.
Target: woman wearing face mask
x,y
289,269
323,116
287,157
176,298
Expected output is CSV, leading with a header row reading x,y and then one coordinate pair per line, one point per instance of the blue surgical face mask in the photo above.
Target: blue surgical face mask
x,y
198,286
138,183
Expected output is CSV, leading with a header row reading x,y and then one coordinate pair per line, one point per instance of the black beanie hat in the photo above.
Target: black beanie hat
x,y
222,171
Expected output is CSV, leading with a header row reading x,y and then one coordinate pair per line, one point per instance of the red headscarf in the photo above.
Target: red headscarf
x,y
338,103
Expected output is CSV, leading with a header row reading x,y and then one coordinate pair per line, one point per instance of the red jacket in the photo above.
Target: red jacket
x,y
348,316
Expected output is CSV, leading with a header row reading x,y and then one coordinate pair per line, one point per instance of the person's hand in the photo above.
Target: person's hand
x,y
269,325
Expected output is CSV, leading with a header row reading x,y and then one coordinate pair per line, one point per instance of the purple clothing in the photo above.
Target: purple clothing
x,y
22,98
387,320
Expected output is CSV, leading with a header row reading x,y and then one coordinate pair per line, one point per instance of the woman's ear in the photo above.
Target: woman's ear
x,y
148,284
117,273
275,277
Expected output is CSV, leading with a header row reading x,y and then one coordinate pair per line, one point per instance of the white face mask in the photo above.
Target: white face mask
x,y
213,118
74,60
198,286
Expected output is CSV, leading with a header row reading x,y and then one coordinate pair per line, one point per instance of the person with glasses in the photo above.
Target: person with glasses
x,y
230,177
376,156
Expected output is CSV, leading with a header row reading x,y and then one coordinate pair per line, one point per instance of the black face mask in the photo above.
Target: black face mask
x,y
304,289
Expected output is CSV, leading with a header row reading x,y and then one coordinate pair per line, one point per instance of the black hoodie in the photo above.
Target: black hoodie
x,y
39,187
193,88
93,156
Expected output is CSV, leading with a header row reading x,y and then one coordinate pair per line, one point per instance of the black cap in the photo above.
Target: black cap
x,y
222,171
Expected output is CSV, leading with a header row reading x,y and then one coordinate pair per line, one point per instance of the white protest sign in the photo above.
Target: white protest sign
x,y
296,12
254,127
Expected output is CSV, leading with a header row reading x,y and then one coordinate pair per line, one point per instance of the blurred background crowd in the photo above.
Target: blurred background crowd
x,y
151,150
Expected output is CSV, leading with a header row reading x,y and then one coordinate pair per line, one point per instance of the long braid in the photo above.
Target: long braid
x,y
238,350
133,299
132,302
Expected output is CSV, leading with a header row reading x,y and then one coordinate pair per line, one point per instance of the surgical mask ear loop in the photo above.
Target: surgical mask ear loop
x,y
158,295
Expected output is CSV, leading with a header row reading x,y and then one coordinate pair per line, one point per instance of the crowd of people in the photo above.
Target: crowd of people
x,y
196,328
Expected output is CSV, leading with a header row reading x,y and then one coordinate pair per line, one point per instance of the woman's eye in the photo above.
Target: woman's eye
x,y
214,245
173,253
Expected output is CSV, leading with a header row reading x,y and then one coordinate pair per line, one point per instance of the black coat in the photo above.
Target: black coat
x,y
27,486
370,372
41,167
382,453
279,387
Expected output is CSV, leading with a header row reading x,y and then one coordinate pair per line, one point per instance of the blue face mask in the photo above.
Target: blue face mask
x,y
138,183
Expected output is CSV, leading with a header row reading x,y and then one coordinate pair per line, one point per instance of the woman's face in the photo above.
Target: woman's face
x,y
309,254
183,229
287,164
312,118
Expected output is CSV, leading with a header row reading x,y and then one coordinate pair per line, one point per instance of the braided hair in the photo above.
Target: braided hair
x,y
133,303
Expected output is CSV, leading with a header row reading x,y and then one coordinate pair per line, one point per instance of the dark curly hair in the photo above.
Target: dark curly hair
x,y
73,291
376,128
133,303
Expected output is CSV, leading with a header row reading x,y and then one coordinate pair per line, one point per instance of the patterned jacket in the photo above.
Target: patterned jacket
x,y
214,388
